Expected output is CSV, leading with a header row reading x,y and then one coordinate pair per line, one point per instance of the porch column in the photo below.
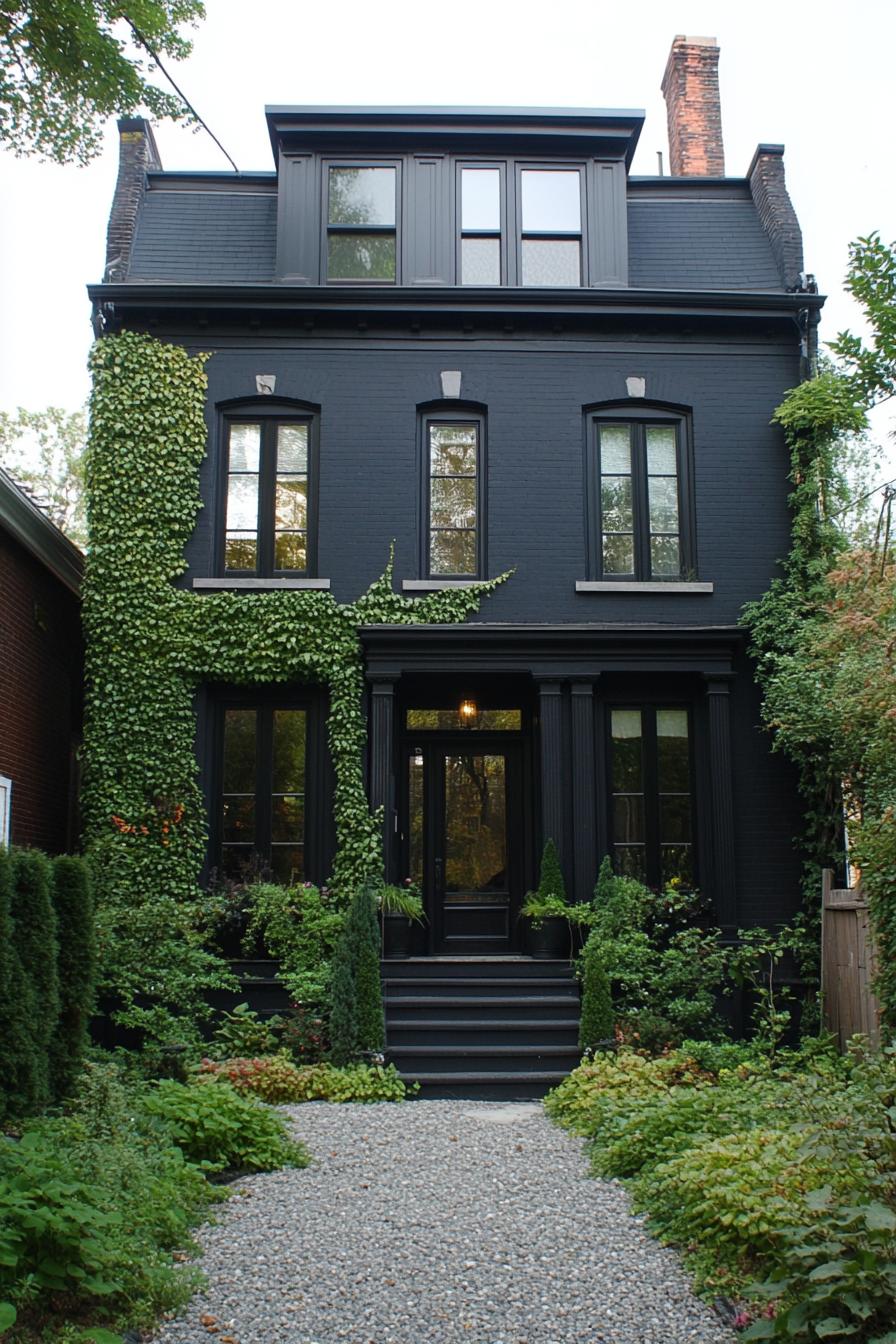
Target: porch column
x,y
584,839
722,799
382,762
550,722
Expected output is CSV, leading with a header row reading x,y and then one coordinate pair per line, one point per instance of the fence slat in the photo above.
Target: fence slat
x,y
847,964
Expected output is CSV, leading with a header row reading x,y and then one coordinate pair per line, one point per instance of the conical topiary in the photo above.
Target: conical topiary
x,y
597,1022
356,1013
550,880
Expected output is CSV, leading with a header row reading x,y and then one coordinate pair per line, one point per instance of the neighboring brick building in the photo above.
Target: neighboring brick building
x,y
41,674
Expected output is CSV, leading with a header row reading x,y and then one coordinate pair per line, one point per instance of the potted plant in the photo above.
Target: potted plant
x,y
550,917
400,908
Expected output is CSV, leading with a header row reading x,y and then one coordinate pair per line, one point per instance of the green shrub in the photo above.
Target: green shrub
x,y
220,1129
596,1022
90,1204
277,1080
577,1102
34,939
666,968
356,1017
243,1032
18,1062
300,926
73,904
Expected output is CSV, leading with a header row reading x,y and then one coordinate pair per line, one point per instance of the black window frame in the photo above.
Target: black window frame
x,y
638,421
395,230
270,414
522,234
648,709
316,791
456,414
502,233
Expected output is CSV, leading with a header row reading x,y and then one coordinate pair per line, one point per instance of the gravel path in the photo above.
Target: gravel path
x,y
435,1222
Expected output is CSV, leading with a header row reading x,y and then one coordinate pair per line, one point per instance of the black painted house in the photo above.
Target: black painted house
x,y
474,332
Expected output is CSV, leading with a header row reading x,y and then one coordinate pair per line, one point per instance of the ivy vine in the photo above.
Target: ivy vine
x,y
150,644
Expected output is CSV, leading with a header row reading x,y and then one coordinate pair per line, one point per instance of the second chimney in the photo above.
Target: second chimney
x,y
693,108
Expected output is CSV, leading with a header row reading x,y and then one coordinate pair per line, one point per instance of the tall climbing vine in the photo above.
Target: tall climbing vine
x,y
824,635
150,644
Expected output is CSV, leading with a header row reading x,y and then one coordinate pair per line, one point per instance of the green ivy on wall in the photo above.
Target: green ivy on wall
x,y
149,646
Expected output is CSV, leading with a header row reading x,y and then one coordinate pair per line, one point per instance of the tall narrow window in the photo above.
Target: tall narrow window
x,y
642,525
551,233
262,801
480,224
650,778
268,527
453,498
361,223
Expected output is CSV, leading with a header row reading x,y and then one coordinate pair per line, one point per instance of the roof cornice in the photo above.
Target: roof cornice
x,y
30,526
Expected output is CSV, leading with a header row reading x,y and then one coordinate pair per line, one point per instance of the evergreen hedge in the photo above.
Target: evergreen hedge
x,y
356,1017
34,938
18,1084
73,903
596,1023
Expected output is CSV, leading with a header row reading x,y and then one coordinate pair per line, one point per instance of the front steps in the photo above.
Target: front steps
x,y
497,1028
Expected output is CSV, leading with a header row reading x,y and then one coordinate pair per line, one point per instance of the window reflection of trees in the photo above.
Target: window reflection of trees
x,y
475,824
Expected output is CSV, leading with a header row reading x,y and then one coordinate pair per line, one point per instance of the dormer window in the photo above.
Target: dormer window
x,y
551,232
480,225
361,222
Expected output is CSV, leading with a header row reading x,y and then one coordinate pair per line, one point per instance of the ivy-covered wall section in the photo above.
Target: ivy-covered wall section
x,y
150,644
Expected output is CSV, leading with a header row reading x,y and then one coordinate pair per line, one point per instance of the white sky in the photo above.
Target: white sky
x,y
816,77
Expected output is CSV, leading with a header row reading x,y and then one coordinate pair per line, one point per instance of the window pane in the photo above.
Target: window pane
x,y
616,503
630,861
291,502
452,553
239,751
551,201
487,720
235,861
361,256
240,551
245,444
453,450
663,498
288,766
618,554
625,726
242,503
615,450
665,557
238,823
675,817
362,196
550,261
475,824
480,261
453,501
676,861
291,551
661,458
287,818
673,753
415,817
288,864
480,194
292,448
628,817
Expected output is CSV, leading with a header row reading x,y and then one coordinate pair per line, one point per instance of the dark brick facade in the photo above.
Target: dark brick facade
x,y
137,154
40,698
693,108
776,212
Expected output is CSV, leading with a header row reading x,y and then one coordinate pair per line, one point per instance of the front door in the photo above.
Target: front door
x,y
464,831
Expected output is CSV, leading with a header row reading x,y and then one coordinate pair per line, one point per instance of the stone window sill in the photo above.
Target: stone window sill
x,y
259,585
434,585
639,586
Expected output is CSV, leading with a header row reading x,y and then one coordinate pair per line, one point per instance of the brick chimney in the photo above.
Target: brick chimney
x,y
137,154
693,109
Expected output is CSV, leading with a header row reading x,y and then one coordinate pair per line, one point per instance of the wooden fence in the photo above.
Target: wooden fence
x,y
847,963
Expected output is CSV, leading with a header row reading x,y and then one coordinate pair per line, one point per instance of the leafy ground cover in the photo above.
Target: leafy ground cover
x,y
776,1177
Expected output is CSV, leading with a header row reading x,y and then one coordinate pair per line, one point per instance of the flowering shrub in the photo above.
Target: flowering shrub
x,y
277,1080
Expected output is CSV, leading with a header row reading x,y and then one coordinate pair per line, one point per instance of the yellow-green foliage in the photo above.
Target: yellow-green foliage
x,y
150,644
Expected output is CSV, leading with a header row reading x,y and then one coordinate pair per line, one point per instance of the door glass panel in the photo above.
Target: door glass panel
x,y
476,828
415,817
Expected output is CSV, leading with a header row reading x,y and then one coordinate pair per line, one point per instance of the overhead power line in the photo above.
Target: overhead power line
x,y
144,42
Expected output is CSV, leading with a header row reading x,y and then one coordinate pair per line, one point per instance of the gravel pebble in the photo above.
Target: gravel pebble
x,y
436,1222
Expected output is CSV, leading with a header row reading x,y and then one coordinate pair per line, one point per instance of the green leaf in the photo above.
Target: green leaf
x,y
764,1329
98,1335
7,1316
832,1269
834,1327
878,1218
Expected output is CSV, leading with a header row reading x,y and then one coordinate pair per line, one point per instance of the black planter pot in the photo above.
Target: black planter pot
x,y
397,931
548,940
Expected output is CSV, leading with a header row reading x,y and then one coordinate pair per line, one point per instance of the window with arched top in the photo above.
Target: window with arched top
x,y
269,488
640,493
